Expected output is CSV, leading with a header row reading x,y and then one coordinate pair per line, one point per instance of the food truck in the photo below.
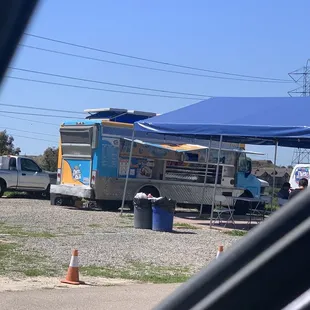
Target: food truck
x,y
94,154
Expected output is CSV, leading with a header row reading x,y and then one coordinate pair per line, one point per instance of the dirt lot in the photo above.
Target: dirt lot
x,y
36,240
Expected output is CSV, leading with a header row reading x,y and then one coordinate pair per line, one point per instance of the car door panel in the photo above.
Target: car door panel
x,y
30,175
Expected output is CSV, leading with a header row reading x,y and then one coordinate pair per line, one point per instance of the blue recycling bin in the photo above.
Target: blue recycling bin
x,y
163,213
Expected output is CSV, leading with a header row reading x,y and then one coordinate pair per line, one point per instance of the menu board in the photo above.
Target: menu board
x,y
109,157
140,168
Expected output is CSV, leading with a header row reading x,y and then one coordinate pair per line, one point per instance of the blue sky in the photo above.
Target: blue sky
x,y
261,38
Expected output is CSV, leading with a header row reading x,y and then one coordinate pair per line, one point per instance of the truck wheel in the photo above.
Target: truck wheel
x,y
150,190
58,201
2,187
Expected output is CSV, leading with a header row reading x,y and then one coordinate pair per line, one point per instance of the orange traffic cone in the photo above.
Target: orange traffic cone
x,y
220,251
73,271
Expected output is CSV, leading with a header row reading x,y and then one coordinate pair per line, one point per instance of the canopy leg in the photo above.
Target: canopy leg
x,y
128,170
274,172
216,179
206,176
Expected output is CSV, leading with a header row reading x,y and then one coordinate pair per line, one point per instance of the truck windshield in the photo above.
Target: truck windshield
x,y
242,163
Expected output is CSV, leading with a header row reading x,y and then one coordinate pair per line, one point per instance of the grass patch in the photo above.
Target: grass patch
x,y
124,226
94,225
126,220
34,272
235,232
14,261
184,226
140,272
128,215
43,234
5,248
15,194
18,231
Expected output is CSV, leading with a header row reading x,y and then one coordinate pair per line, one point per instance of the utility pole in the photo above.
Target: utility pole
x,y
302,78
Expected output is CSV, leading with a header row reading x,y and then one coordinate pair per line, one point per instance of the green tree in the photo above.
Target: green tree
x,y
7,146
49,159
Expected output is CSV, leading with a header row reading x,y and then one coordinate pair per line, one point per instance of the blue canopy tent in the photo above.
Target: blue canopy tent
x,y
254,120
250,120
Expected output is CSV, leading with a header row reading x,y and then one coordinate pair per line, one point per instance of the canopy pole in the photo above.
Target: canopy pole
x,y
216,179
128,170
274,171
206,176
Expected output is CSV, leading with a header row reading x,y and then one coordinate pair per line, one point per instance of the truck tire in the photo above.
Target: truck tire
x,y
2,187
59,201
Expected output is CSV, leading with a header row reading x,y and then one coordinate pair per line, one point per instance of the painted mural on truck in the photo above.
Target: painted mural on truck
x,y
140,168
76,172
301,173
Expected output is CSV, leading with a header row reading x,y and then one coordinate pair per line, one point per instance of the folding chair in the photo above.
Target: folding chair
x,y
259,212
222,207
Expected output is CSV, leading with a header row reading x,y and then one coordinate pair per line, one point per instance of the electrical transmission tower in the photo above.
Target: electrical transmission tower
x,y
302,78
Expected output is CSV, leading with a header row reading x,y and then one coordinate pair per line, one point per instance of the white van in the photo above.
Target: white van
x,y
300,171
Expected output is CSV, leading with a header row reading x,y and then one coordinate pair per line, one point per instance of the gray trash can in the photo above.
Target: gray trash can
x,y
142,213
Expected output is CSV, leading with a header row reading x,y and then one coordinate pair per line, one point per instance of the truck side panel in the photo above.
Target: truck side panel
x,y
182,192
108,157
10,178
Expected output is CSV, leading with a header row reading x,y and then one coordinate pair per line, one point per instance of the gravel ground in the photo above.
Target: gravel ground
x,y
105,238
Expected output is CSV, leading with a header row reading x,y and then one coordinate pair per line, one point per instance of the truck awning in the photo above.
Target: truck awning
x,y
188,147
118,115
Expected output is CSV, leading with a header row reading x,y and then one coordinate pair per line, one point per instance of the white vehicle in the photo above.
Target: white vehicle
x,y
24,175
300,171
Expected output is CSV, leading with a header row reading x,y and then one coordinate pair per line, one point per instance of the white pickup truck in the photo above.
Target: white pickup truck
x,y
24,175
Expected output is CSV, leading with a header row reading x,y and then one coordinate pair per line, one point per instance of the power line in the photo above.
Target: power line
x,y
29,120
149,68
32,132
33,138
100,89
25,137
108,83
151,60
34,114
37,108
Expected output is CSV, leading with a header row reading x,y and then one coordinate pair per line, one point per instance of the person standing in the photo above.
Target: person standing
x,y
284,193
303,184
